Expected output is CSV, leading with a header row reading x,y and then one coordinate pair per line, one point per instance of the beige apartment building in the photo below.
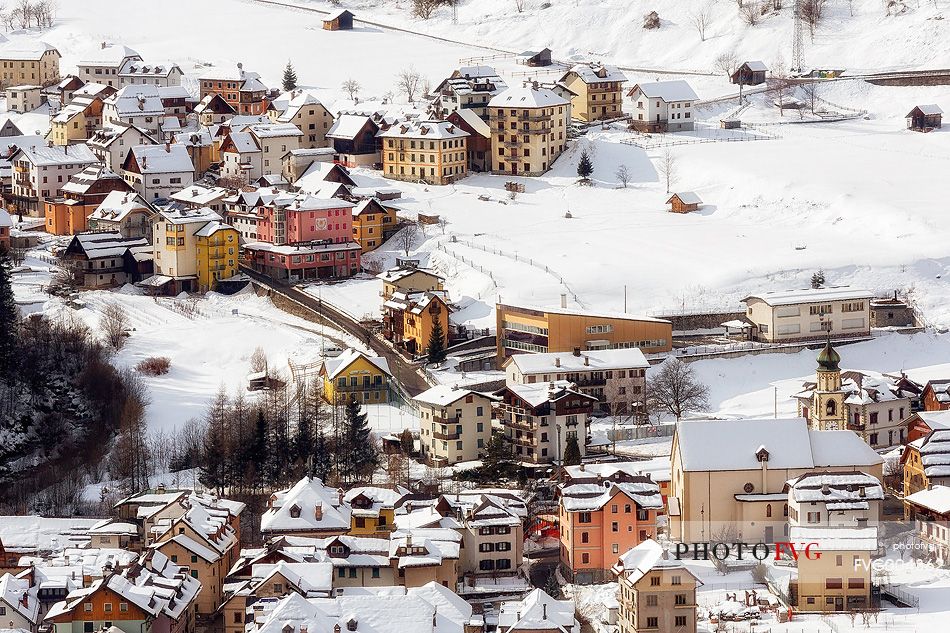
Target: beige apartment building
x,y
728,476
656,592
809,314
598,91
840,513
427,151
28,61
312,118
528,130
455,424
492,531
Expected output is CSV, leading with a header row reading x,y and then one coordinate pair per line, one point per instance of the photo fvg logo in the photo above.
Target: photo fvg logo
x,y
758,551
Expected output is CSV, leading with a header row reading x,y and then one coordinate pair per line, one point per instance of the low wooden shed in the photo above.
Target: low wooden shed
x,y
341,20
684,202
924,118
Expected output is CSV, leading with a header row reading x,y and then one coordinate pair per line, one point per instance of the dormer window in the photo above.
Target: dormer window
x,y
762,455
295,511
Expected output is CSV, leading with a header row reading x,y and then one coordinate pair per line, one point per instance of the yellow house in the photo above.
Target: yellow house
x,y
598,91
922,464
409,319
427,151
217,248
408,277
373,224
353,374
373,510
178,236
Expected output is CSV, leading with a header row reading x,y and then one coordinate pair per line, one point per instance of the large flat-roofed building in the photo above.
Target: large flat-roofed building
x,y
809,314
523,329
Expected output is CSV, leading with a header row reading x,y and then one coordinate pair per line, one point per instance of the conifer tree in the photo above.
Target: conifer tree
x,y
572,452
9,316
436,348
585,167
360,456
257,450
290,77
278,452
321,465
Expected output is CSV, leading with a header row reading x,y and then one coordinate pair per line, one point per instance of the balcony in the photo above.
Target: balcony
x,y
534,117
216,255
21,169
523,440
445,435
516,423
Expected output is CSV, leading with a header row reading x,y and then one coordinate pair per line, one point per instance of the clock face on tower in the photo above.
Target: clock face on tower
x,y
831,426
321,224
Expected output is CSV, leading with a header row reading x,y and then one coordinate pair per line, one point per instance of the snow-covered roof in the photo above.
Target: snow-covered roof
x,y
81,182
444,395
307,506
811,295
586,313
596,73
425,130
668,91
538,612
335,366
199,194
686,197
527,97
590,360
244,142
936,498
35,533
658,469
211,228
275,130
723,445
138,68
136,101
24,48
347,126
928,108
108,55
835,488
589,497
170,158
290,249
5,219
296,104
312,578
638,561
755,66
188,216
479,125
20,596
44,155
836,539
539,393
393,275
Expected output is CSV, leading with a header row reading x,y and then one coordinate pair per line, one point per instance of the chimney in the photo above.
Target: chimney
x,y
435,614
557,361
168,148
582,466
25,599
145,162
586,361
351,623
336,628
862,492
577,350
340,496
825,489
563,300
318,512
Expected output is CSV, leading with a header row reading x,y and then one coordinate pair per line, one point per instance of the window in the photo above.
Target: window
x,y
654,581
352,572
87,627
194,573
813,517
583,517
855,583
375,572
123,607
680,599
107,607
853,306
585,537
833,583
652,622
87,607
820,309
585,558
341,572
676,580
652,598
614,526
680,620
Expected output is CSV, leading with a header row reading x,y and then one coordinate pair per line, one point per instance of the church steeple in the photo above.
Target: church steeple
x,y
828,359
828,405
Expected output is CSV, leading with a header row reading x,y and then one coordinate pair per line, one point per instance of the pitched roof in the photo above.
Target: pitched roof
x,y
335,366
41,155
936,498
668,91
638,561
425,130
686,197
347,126
928,108
302,500
108,55
589,360
119,204
755,66
162,159
526,97
595,73
444,395
811,295
723,445
137,100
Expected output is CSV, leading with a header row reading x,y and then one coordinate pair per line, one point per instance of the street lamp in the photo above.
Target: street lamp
x,y
560,461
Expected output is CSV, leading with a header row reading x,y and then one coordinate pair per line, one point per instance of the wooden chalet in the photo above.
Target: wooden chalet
x,y
684,202
924,118
749,74
536,58
341,20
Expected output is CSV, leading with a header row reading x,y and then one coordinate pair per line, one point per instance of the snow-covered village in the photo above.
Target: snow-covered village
x,y
474,316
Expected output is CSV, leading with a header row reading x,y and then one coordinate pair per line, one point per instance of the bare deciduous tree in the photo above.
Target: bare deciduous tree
x,y
675,390
408,81
23,11
812,12
623,175
114,322
700,20
352,88
442,223
726,63
424,8
407,237
519,5
779,85
750,13
259,360
667,168
811,94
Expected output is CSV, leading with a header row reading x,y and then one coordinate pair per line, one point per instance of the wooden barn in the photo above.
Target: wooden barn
x,y
536,58
924,118
684,202
749,74
341,20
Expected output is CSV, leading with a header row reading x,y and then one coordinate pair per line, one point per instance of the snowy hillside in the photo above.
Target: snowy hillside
x,y
612,30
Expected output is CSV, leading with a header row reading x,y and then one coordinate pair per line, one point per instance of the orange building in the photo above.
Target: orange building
x,y
82,195
936,396
240,89
601,518
528,329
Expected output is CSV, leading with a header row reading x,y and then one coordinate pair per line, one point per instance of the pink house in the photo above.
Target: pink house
x,y
304,219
